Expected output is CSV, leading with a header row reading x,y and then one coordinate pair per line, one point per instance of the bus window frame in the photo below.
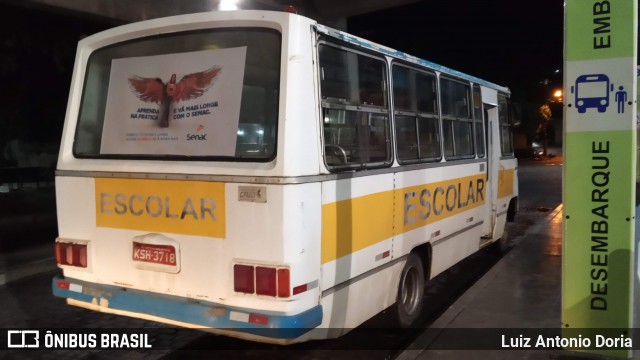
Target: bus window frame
x,y
417,115
336,104
444,118
177,157
478,121
508,125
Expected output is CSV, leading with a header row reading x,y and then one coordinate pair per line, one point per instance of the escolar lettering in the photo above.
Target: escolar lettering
x,y
454,196
156,206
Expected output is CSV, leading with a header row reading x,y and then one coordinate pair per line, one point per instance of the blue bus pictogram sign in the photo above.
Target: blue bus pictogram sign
x,y
592,91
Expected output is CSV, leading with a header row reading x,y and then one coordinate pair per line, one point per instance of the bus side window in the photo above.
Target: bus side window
x,y
406,138
429,136
457,122
416,119
478,121
505,126
354,108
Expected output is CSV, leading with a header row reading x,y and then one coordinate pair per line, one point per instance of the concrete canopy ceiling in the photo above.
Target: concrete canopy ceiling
x,y
329,12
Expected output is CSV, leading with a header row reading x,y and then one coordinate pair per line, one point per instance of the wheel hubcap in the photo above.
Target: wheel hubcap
x,y
410,291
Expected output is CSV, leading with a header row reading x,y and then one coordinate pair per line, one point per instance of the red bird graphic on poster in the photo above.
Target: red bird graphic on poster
x,y
191,86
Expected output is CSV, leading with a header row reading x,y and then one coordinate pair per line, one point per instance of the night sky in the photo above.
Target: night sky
x,y
37,52
517,44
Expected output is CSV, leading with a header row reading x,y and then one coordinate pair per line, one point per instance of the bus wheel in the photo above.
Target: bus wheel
x,y
410,291
504,243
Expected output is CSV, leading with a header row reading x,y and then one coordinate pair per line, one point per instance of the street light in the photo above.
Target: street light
x,y
227,5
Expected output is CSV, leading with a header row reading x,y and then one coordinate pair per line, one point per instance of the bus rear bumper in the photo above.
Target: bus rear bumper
x,y
207,316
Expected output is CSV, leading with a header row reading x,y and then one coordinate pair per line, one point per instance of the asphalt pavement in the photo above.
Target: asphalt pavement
x,y
28,229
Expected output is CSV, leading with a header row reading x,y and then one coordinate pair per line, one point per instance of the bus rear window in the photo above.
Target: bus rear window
x,y
200,95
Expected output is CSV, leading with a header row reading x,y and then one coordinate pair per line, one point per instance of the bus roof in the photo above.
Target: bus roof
x,y
144,26
351,39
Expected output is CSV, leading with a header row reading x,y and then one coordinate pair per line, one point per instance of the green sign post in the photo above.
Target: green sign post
x,y
599,171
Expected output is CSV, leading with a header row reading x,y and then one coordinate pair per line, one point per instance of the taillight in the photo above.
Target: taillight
x,y
243,280
72,254
283,283
261,280
265,281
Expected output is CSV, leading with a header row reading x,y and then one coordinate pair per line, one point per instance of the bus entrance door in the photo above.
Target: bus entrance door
x,y
493,156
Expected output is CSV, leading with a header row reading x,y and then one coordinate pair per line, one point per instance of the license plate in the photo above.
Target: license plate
x,y
155,254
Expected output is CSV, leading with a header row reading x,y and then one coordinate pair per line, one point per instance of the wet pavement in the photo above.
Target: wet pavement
x,y
28,228
523,290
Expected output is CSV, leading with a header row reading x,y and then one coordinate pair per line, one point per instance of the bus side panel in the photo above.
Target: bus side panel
x,y
507,189
357,239
77,215
302,242
443,206
346,307
369,225
297,131
357,227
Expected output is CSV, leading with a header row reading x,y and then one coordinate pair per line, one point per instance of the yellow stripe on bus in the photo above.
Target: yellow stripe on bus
x,y
173,206
505,182
354,224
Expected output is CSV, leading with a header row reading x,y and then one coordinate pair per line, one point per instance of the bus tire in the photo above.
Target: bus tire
x,y
410,292
504,243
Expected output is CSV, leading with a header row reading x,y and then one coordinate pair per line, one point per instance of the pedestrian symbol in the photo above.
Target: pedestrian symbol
x,y
621,98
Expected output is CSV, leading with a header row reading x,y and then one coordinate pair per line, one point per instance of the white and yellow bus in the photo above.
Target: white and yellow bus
x,y
259,175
